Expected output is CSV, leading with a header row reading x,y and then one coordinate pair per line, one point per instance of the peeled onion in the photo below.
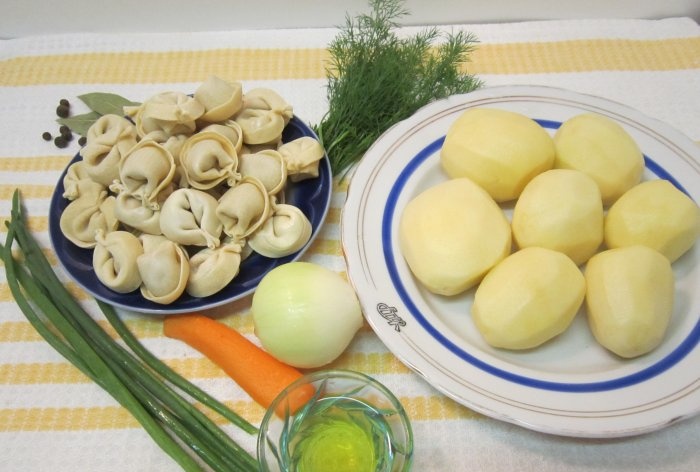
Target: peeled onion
x,y
304,314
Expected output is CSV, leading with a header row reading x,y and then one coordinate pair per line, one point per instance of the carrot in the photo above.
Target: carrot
x,y
256,371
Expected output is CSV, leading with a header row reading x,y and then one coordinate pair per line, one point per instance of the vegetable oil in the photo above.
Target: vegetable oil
x,y
342,434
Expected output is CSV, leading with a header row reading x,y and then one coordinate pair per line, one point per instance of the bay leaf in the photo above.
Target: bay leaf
x,y
79,124
106,103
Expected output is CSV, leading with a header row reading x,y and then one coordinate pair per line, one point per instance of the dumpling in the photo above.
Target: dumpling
x,y
114,260
221,99
260,126
284,233
302,157
231,130
208,159
75,173
212,269
243,208
170,112
87,214
164,268
77,182
174,144
246,250
266,99
188,217
145,171
107,140
267,166
130,211
263,117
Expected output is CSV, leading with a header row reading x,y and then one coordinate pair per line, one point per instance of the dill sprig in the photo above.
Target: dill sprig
x,y
376,78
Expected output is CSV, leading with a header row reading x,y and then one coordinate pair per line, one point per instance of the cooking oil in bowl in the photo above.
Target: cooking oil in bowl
x,y
352,424
343,435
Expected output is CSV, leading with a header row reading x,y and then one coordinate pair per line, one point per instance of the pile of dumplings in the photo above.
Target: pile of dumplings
x,y
175,194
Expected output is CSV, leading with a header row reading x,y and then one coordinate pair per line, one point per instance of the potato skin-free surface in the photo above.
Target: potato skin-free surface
x,y
451,234
601,148
655,214
560,209
498,149
529,298
629,299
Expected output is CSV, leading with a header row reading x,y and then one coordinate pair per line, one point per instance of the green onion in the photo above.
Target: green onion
x,y
154,394
169,374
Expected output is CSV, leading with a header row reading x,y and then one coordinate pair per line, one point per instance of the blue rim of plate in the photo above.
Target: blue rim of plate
x,y
675,356
312,196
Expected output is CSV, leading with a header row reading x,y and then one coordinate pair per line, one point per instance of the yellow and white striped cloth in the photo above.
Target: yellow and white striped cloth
x,y
53,419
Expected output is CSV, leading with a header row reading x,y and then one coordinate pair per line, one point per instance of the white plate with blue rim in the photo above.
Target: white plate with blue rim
x,y
570,386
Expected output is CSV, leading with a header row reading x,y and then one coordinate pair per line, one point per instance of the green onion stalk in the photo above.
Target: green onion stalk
x,y
156,396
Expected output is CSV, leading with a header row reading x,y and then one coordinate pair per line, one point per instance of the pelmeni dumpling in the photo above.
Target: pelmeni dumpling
x,y
114,260
145,171
221,99
243,208
107,140
266,99
130,211
188,217
87,214
246,250
260,126
211,269
164,268
75,172
231,130
208,159
77,182
267,166
302,156
264,116
174,145
284,233
171,112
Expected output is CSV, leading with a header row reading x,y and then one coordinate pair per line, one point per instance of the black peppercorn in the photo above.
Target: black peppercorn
x,y
60,141
64,102
47,136
66,132
82,140
62,111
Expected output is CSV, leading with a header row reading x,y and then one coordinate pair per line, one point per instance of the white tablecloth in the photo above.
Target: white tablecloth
x,y
53,419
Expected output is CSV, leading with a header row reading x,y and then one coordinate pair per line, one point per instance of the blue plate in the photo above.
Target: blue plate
x,y
312,196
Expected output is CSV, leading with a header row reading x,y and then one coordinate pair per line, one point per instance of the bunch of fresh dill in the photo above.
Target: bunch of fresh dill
x,y
376,78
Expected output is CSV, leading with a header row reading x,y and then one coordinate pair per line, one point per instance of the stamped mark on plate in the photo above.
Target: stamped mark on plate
x,y
390,314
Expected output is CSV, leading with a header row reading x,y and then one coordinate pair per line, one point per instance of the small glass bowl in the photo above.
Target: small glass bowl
x,y
345,421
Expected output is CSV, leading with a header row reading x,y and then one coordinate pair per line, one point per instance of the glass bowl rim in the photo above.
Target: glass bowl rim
x,y
324,374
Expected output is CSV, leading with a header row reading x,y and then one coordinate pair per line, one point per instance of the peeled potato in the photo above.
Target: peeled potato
x,y
601,148
560,209
498,149
451,234
655,214
529,298
629,299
